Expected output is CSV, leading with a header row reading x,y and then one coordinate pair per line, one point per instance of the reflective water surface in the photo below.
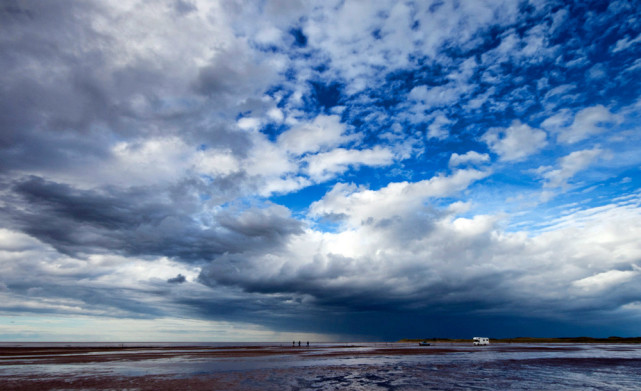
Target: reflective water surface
x,y
366,366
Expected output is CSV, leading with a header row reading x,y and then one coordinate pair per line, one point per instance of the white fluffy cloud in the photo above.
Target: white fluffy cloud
x,y
324,132
356,205
470,157
327,165
607,280
568,166
405,249
343,31
515,142
587,122
437,128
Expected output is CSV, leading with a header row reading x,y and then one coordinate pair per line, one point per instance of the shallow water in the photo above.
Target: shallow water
x,y
336,366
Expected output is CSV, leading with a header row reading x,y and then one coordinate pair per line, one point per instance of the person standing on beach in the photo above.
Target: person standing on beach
x,y
293,343
298,343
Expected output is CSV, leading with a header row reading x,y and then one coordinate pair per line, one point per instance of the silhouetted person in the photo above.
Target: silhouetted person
x,y
293,343
307,343
298,343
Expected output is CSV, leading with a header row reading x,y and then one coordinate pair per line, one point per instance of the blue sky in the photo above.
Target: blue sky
x,y
205,170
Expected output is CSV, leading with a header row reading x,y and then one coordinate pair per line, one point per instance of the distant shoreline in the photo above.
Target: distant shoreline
x,y
534,340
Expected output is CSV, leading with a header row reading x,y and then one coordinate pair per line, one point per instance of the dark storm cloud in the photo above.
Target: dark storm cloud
x,y
137,222
54,80
73,88
234,72
373,314
132,132
184,7
401,289
179,279
391,283
33,47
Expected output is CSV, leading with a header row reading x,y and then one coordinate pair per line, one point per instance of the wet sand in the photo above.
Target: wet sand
x,y
353,367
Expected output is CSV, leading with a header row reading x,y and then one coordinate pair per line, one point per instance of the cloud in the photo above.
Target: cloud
x,y
569,166
558,90
324,132
292,164
235,72
516,142
470,157
100,329
437,128
356,205
587,122
417,259
359,58
626,43
532,46
179,279
184,7
597,72
480,99
40,280
434,97
605,280
140,222
324,166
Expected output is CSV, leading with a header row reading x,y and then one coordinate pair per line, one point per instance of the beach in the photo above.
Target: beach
x,y
357,366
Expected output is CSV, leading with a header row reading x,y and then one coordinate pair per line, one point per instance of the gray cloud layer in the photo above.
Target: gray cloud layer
x,y
138,222
141,143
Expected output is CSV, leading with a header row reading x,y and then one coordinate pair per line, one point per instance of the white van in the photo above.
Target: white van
x,y
478,341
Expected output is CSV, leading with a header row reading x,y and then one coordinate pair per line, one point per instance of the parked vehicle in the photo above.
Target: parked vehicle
x,y
479,341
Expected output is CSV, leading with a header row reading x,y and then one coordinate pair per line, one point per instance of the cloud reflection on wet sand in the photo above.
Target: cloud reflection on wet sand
x,y
331,366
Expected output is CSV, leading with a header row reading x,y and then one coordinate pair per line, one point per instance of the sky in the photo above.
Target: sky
x,y
335,170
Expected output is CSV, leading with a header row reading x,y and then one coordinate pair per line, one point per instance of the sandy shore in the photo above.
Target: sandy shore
x,y
370,367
